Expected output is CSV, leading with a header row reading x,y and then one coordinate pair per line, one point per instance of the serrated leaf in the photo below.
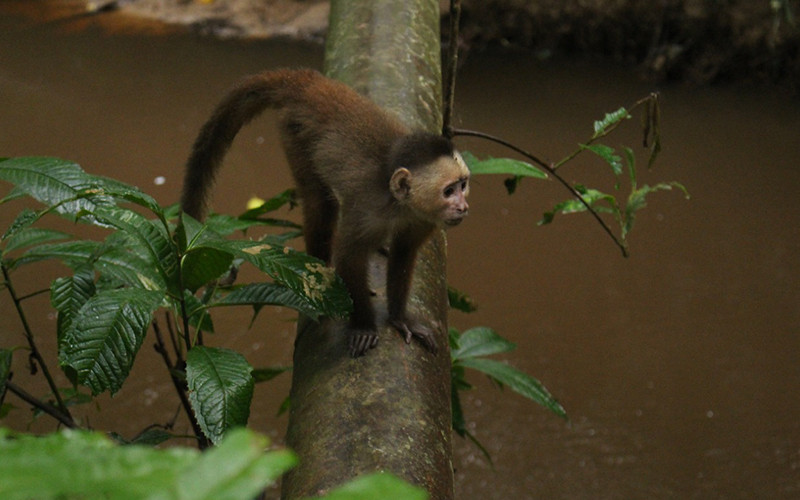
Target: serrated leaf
x,y
51,181
32,236
306,276
106,335
376,485
608,154
261,294
518,381
592,196
480,341
67,296
221,388
151,236
608,120
637,200
23,220
72,253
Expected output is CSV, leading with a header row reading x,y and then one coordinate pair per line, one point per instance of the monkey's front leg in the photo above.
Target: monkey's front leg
x,y
402,254
352,259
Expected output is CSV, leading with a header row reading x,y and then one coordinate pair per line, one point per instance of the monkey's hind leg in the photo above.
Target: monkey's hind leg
x,y
320,211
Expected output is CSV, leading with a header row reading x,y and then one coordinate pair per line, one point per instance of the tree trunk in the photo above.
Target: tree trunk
x,y
390,409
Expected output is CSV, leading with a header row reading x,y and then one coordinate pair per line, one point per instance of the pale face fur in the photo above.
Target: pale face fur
x,y
436,193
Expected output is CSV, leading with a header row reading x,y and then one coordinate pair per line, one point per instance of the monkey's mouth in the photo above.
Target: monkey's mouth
x,y
453,222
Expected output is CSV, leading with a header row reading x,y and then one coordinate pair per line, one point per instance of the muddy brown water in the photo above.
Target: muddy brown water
x,y
679,367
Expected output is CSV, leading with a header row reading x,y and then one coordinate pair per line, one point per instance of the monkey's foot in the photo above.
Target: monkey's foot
x,y
412,328
362,341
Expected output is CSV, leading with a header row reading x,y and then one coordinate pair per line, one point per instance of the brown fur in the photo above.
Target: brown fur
x,y
355,167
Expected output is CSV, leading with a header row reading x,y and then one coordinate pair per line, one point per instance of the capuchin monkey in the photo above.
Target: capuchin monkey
x,y
358,171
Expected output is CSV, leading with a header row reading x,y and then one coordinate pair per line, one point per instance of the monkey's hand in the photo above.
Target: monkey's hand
x,y
413,328
362,341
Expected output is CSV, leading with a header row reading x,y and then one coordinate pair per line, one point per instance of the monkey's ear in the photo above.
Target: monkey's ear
x,y
400,184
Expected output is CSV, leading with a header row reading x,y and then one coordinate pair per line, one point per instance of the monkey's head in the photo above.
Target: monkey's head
x,y
430,179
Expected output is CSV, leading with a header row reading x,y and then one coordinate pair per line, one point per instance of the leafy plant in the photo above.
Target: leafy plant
x,y
469,350
151,259
585,199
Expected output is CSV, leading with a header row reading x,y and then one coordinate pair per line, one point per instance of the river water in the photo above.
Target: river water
x,y
679,366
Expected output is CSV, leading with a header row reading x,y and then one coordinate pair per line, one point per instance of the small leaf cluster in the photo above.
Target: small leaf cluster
x,y
585,198
151,258
470,350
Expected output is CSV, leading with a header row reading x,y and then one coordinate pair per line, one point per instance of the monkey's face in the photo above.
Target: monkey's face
x,y
437,192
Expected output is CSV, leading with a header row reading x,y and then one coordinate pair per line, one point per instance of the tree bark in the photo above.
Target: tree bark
x,y
390,409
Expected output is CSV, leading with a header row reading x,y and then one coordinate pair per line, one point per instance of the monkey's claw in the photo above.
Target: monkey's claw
x,y
409,329
361,342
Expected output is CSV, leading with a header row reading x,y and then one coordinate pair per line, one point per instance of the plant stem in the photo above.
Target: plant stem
x,y
34,349
179,387
51,410
550,169
452,65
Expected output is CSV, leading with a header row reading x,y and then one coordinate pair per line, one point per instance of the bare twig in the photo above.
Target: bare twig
x,y
452,65
64,418
179,384
552,171
35,354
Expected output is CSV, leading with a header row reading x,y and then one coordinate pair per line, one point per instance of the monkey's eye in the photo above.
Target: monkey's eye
x,y
449,191
464,186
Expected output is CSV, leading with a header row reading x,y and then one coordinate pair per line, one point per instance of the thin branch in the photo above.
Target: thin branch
x,y
35,354
552,171
49,409
180,388
452,65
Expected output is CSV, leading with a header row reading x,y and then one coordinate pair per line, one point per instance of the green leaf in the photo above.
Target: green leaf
x,y
235,469
637,201
202,265
601,126
23,220
506,166
79,464
221,388
269,373
151,236
122,260
68,295
480,341
260,294
592,196
608,154
518,381
51,181
306,276
460,301
72,253
105,336
457,384
198,313
5,369
287,197
376,485
32,236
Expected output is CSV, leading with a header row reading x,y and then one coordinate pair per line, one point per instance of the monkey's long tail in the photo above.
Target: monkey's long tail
x,y
271,89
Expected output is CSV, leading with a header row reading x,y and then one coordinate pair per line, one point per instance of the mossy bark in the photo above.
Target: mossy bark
x,y
389,410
